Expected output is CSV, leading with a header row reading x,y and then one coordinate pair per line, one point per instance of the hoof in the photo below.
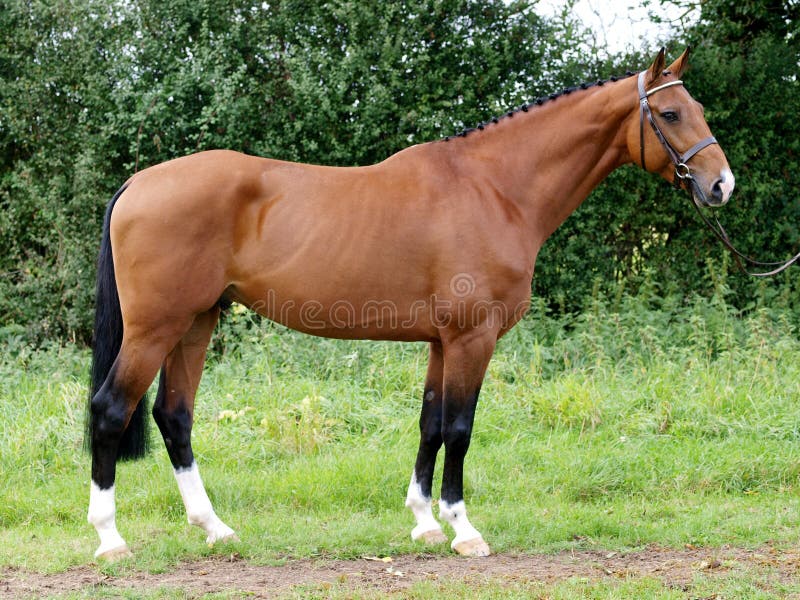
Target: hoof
x,y
433,537
225,539
473,547
115,554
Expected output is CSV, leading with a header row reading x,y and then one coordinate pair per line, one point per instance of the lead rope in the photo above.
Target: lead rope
x,y
718,230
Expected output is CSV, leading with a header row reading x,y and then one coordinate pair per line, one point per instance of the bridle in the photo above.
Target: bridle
x,y
683,175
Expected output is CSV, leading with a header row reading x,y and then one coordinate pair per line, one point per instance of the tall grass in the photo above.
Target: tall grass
x,y
646,419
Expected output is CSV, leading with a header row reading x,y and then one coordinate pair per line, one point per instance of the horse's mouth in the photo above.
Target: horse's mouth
x,y
705,201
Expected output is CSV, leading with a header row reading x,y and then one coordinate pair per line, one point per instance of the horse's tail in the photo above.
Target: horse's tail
x,y
106,343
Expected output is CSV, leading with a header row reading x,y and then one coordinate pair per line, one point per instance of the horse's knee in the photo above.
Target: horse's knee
x,y
431,434
175,424
430,421
109,418
456,435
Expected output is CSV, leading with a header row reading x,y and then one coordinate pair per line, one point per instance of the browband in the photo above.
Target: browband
x,y
643,94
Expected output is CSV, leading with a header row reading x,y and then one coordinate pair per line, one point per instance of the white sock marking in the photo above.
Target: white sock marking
x,y
102,514
198,507
456,515
421,507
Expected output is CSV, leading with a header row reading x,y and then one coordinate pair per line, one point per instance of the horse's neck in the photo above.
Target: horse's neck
x,y
549,159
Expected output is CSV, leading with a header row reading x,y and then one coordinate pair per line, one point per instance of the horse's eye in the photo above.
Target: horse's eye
x,y
670,116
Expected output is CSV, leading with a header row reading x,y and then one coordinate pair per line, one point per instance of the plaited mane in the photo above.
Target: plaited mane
x,y
538,102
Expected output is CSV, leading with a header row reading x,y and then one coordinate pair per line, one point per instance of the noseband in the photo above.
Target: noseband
x,y
682,171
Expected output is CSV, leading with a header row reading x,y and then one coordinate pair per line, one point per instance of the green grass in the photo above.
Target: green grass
x,y
643,421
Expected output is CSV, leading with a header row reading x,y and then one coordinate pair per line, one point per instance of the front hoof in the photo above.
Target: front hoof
x,y
432,537
473,547
223,539
114,555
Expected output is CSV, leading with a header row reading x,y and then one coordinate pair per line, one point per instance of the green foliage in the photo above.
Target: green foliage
x,y
367,79
92,90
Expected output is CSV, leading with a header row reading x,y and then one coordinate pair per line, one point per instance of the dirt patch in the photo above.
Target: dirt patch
x,y
676,568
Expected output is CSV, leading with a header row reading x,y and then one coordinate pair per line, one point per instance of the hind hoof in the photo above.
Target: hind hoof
x,y
473,547
115,554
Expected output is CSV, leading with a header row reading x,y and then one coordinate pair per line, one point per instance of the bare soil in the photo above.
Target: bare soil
x,y
232,574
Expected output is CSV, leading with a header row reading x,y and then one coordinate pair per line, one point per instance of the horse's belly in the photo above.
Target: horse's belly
x,y
351,314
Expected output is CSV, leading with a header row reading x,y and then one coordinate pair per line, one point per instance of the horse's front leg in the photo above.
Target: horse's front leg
x,y
418,499
465,360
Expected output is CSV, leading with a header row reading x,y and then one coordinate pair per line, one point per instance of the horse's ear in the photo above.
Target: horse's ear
x,y
655,70
679,66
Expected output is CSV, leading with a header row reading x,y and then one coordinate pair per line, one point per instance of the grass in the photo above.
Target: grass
x,y
645,420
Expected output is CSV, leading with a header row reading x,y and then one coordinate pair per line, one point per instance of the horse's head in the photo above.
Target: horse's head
x,y
671,136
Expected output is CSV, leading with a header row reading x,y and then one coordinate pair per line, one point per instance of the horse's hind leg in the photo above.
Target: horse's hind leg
x,y
173,412
134,369
430,441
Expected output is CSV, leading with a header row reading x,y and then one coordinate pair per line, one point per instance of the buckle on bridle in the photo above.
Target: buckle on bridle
x,y
683,172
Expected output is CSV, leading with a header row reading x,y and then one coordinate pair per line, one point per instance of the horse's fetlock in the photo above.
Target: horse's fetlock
x,y
450,513
199,519
202,518
417,502
101,519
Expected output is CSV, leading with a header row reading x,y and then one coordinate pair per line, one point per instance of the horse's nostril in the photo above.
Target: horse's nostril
x,y
716,191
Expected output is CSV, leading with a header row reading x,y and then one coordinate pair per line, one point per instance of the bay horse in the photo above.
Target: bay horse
x,y
435,244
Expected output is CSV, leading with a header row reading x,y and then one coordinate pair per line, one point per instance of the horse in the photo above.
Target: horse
x,y
435,244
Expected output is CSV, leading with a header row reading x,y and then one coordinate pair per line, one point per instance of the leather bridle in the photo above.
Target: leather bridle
x,y
683,175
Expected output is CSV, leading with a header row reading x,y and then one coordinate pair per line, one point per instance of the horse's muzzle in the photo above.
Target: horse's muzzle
x,y
722,188
719,192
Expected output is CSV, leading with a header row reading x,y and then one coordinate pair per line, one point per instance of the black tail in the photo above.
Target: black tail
x,y
106,344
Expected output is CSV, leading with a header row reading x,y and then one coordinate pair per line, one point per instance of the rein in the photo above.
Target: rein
x,y
718,230
683,175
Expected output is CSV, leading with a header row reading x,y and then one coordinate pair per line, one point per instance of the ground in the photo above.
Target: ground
x,y
380,576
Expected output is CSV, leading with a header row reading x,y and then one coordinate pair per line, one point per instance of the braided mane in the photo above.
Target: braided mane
x,y
538,102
